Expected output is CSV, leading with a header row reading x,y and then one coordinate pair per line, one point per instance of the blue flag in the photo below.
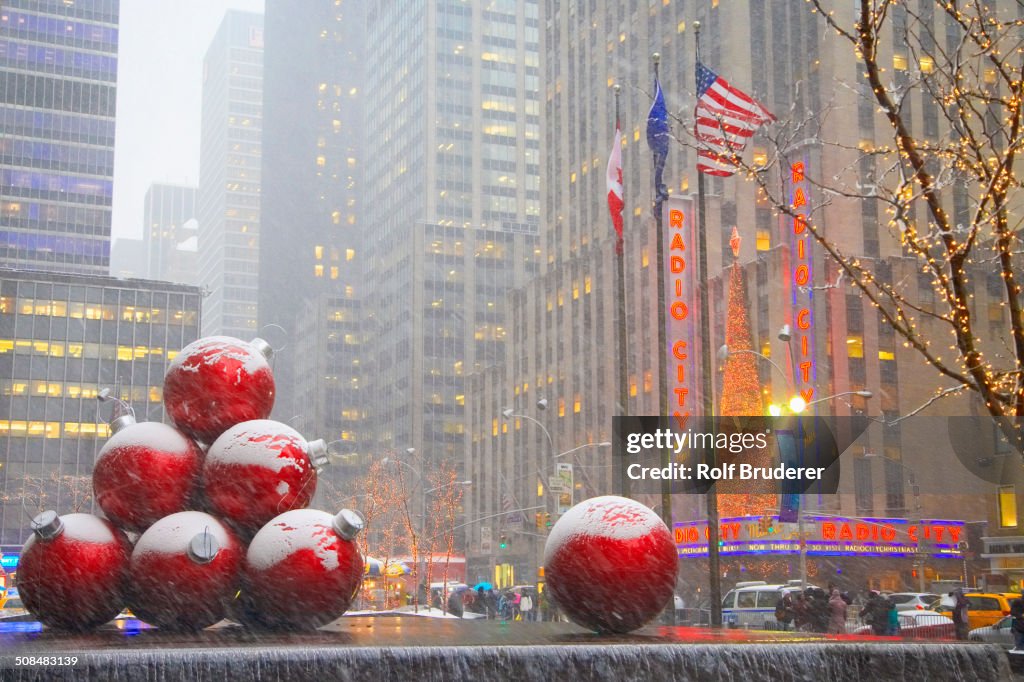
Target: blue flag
x,y
658,139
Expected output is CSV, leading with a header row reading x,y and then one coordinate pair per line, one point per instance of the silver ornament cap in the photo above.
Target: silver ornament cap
x,y
317,451
47,525
348,523
203,548
121,422
264,348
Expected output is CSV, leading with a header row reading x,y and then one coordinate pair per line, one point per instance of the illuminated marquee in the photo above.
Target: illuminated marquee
x,y
826,536
680,318
801,280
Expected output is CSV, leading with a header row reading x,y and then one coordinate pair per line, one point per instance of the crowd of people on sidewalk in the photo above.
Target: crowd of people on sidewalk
x,y
814,610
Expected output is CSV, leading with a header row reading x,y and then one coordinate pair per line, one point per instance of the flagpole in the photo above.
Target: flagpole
x,y
660,194
659,200
623,348
707,388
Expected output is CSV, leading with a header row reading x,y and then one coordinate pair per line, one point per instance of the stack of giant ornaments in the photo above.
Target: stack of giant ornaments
x,y
222,531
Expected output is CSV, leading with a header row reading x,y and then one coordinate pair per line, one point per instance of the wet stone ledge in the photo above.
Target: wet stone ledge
x,y
426,649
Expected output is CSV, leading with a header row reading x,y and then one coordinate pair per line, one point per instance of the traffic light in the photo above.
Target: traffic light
x,y
503,541
762,524
539,520
547,519
771,525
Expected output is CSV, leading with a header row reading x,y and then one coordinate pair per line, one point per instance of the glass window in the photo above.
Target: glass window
x,y
767,599
746,600
1007,506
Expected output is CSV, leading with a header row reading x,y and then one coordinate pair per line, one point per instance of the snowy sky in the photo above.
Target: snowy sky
x,y
159,86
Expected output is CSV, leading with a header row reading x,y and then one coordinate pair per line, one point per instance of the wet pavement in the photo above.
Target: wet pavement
x,y
418,648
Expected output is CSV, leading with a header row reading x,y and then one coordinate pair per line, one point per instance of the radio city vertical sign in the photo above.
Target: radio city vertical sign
x,y
801,281
681,317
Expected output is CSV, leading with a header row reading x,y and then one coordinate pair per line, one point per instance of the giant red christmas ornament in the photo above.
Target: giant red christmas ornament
x,y
610,564
145,472
184,569
303,568
259,469
72,570
217,382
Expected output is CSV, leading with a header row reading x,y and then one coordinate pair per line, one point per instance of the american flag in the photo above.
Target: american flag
x,y
726,120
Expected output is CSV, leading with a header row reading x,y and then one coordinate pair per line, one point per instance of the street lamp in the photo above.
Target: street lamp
x,y
724,352
915,490
605,444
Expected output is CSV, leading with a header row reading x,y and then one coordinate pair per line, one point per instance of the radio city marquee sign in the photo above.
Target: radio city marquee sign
x,y
826,536
681,320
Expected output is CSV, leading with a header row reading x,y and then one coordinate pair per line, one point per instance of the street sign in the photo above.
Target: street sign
x,y
556,484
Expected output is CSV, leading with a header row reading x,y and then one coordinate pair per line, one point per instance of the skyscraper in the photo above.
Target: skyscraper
x,y
229,166
169,232
58,76
453,198
311,248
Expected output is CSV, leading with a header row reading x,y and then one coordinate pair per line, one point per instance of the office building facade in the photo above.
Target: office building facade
x,y
63,339
58,83
169,233
454,200
312,221
228,202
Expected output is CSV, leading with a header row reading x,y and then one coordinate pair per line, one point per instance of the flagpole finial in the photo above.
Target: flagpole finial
x,y
696,26
617,89
656,58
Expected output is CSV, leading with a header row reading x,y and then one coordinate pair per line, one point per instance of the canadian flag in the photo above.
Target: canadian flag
x,y
615,203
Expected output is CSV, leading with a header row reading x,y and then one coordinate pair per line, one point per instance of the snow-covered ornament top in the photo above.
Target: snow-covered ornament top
x,y
303,568
217,382
259,469
145,472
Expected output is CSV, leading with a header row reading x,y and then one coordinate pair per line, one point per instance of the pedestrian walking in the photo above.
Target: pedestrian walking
x,y
800,612
526,606
961,608
1017,624
876,613
837,610
784,611
892,620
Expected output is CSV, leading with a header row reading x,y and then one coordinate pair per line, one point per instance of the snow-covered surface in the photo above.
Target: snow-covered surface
x,y
171,534
152,435
258,442
86,528
608,516
293,531
212,349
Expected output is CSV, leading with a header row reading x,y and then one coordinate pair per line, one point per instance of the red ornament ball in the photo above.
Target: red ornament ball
x,y
145,472
257,470
72,570
303,569
185,570
610,564
217,382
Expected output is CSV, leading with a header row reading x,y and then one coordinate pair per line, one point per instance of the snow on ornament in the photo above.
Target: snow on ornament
x,y
72,570
610,564
145,472
184,571
302,570
259,469
217,382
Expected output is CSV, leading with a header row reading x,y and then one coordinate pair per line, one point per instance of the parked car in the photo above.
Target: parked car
x,y
984,608
911,601
997,633
752,604
925,624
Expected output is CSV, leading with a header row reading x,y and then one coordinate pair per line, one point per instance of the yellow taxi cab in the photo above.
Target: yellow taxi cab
x,y
984,608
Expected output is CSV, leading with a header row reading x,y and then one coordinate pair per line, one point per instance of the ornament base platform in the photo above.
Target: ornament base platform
x,y
418,648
